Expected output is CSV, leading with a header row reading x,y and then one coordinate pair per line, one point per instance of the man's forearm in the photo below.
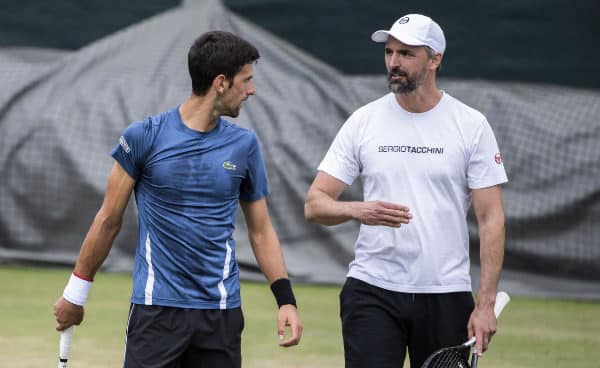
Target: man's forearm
x,y
269,257
267,252
322,209
491,236
96,246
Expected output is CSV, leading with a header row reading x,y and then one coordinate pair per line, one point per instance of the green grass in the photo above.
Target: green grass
x,y
532,332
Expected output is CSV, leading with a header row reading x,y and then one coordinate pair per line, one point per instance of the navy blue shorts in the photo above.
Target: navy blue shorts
x,y
166,337
379,326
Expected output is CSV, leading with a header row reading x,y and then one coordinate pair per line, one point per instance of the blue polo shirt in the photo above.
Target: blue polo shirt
x,y
188,184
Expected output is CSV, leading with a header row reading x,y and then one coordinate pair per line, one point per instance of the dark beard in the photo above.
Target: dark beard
x,y
401,87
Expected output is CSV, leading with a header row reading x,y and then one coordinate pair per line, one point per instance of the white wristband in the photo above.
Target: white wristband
x,y
77,290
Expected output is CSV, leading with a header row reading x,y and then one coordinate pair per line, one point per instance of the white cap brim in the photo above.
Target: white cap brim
x,y
382,36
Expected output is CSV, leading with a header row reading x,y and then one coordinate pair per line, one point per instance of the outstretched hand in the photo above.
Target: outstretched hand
x,y
383,213
288,317
67,314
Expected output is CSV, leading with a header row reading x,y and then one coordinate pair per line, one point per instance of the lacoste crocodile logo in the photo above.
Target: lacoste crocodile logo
x,y
228,165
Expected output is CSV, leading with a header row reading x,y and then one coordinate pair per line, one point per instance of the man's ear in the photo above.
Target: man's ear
x,y
436,60
220,83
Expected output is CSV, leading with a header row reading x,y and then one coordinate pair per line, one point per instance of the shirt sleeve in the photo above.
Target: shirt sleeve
x,y
131,150
342,160
485,167
256,184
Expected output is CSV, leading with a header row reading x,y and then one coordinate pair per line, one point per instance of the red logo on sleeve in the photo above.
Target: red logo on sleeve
x,y
498,158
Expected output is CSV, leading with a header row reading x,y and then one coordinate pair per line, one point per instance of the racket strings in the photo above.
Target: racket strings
x,y
448,358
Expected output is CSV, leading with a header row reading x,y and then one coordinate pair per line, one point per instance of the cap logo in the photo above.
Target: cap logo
x,y
403,20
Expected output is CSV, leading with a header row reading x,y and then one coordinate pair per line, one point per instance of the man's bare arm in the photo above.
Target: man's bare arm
x,y
267,250
322,206
487,203
98,241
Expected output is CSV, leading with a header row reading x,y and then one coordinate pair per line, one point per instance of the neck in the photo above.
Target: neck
x,y
423,99
199,113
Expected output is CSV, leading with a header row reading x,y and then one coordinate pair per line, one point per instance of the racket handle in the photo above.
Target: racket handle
x,y
502,300
474,359
65,344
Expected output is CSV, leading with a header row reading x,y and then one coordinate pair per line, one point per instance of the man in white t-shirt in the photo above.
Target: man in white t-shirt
x,y
423,157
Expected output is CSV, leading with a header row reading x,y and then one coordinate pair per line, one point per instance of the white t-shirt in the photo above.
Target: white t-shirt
x,y
429,162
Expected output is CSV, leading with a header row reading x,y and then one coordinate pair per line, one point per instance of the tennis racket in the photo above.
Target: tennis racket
x,y
65,344
453,357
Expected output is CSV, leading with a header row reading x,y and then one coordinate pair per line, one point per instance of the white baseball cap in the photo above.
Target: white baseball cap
x,y
415,30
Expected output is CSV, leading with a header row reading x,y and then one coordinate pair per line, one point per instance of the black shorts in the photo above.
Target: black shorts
x,y
379,325
166,337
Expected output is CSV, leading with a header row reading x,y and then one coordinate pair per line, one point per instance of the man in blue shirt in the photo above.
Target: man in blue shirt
x,y
189,168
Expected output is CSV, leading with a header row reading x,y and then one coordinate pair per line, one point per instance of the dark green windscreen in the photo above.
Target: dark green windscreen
x,y
70,24
551,41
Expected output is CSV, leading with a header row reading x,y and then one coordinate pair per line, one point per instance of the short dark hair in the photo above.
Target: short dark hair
x,y
215,53
431,54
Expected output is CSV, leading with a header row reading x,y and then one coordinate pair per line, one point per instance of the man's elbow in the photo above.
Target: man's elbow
x,y
496,220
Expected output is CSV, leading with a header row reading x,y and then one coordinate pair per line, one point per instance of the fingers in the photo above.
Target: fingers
x,y
471,328
281,328
482,344
61,323
393,220
64,324
479,344
485,343
61,326
293,339
394,210
483,327
393,206
385,214
288,317
67,314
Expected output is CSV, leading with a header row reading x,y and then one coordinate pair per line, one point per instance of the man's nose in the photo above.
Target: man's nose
x,y
395,60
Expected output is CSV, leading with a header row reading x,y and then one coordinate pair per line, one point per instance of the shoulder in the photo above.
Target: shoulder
x,y
240,134
151,124
472,124
465,113
372,110
142,135
231,128
382,103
